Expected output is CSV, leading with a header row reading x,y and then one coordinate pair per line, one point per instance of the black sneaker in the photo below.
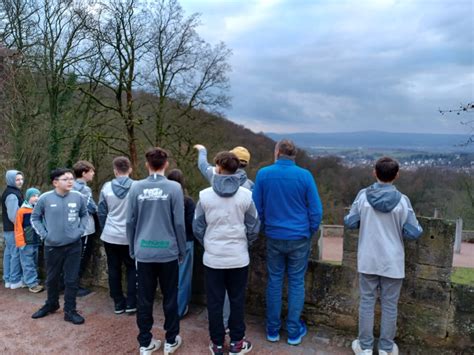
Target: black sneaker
x,y
119,308
82,291
131,309
240,347
216,349
45,310
73,317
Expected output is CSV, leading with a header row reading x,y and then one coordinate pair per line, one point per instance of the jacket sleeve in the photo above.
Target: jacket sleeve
x,y
83,215
315,208
11,203
91,205
206,169
411,229
178,220
252,224
352,220
131,221
37,219
102,210
199,223
257,196
19,232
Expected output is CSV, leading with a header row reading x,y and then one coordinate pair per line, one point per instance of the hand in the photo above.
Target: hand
x,y
199,147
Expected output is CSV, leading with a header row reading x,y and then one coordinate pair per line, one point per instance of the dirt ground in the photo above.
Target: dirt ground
x,y
106,333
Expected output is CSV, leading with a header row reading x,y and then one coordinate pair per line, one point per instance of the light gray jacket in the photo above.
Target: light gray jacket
x,y
81,186
60,220
384,217
155,220
11,202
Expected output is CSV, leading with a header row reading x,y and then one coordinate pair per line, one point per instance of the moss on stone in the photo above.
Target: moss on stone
x,y
463,275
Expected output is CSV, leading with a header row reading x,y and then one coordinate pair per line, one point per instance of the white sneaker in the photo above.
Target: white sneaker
x,y
171,348
153,346
393,352
358,350
8,285
16,285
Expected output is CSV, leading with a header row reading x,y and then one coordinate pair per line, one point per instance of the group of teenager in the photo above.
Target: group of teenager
x,y
150,225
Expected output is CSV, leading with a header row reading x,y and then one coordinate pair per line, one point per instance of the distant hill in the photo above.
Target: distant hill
x,y
380,140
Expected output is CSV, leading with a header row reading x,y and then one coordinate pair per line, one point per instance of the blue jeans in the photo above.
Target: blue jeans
x,y
371,286
29,264
11,259
290,256
185,279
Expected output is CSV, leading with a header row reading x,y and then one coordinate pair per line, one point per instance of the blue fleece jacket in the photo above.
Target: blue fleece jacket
x,y
287,201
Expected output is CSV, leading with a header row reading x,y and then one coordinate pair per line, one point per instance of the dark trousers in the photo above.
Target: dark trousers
x,y
66,260
148,275
86,252
116,256
218,281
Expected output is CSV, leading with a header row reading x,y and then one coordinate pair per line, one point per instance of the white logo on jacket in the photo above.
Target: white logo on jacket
x,y
152,195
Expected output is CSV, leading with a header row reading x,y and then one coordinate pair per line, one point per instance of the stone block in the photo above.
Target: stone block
x,y
351,239
435,247
436,294
434,273
463,299
417,322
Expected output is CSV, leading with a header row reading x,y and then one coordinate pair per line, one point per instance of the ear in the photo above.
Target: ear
x,y
374,174
218,169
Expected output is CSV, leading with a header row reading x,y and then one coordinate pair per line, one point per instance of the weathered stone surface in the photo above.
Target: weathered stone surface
x,y
435,247
463,298
430,272
419,323
428,293
351,239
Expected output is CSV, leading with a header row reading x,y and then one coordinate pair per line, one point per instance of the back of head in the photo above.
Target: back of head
x,y
177,175
121,164
156,158
82,167
243,155
56,173
227,161
286,148
386,169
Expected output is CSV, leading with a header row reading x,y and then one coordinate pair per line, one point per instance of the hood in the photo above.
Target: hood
x,y
79,185
121,185
242,176
383,197
10,177
225,185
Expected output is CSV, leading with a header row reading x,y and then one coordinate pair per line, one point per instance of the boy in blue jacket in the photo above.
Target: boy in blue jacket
x,y
384,217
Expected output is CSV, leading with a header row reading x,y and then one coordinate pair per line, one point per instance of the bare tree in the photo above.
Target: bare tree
x,y
186,72
468,108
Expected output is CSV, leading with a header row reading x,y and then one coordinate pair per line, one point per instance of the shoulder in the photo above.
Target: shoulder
x,y
46,195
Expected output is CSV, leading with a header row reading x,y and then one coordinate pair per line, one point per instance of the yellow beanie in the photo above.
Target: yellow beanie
x,y
242,153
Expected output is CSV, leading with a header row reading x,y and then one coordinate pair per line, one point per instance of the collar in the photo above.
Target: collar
x,y
285,161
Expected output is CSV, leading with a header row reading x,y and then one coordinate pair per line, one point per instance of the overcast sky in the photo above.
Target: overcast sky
x,y
342,65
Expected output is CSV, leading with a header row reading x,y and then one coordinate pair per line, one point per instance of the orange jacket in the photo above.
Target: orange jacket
x,y
24,233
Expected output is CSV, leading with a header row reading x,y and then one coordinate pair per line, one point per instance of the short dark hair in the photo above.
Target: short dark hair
x,y
227,161
121,164
56,173
156,158
286,147
386,169
177,175
81,167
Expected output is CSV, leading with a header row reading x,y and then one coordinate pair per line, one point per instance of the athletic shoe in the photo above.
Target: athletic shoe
x,y
358,350
82,291
297,340
36,289
119,307
153,346
16,285
393,352
45,310
171,348
130,309
73,317
7,285
273,337
216,349
240,347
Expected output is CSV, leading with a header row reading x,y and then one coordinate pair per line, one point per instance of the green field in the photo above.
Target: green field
x,y
463,275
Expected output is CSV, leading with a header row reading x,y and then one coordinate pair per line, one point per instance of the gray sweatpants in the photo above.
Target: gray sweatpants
x,y
370,287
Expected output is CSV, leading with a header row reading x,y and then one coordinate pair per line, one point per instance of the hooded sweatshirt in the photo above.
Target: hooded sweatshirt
x,y
208,171
81,186
384,216
155,220
12,199
112,210
226,223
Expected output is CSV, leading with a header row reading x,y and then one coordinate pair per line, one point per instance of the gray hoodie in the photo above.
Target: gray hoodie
x,y
81,186
112,210
11,202
155,220
384,217
226,223
60,220
208,171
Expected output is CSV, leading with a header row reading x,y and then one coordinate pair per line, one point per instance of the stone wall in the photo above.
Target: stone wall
x,y
468,236
432,310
